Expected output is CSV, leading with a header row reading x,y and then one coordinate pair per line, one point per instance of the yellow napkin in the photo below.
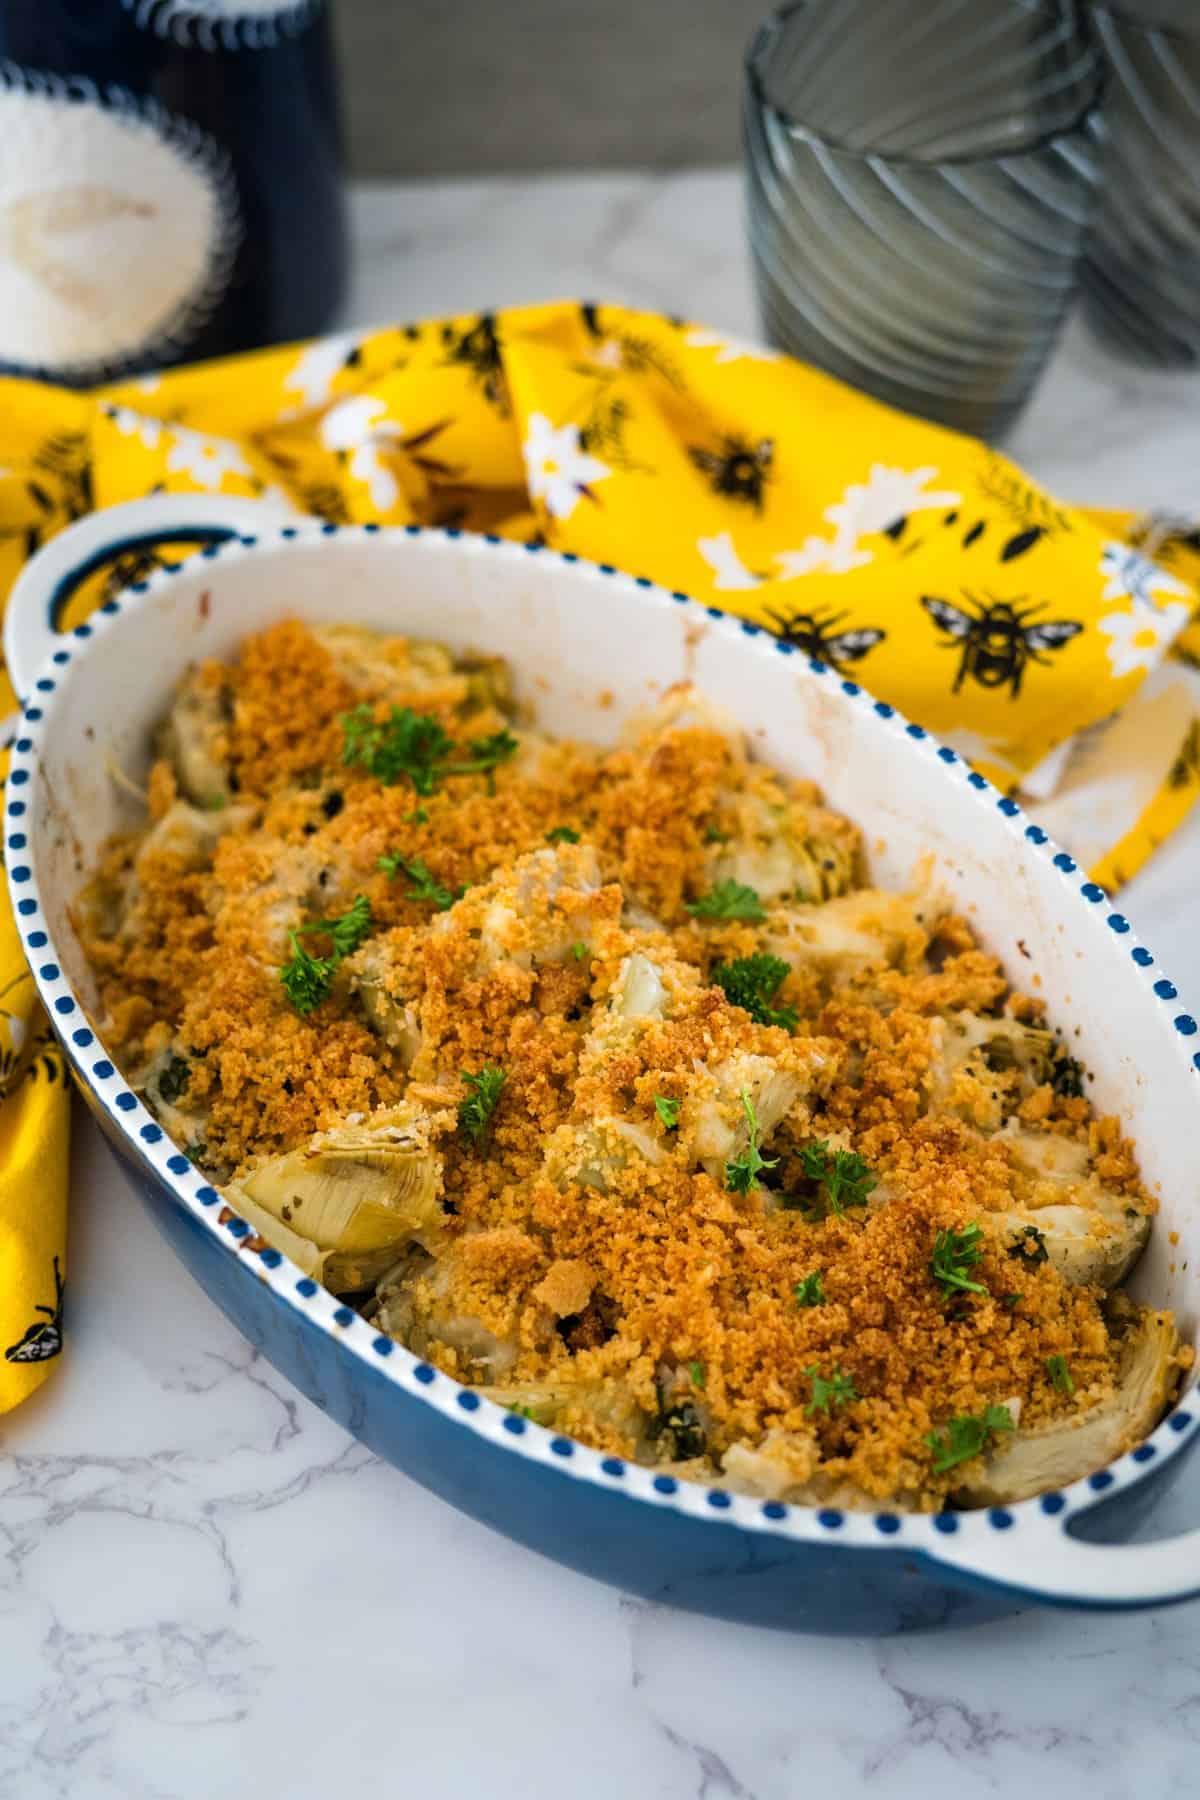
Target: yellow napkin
x,y
920,562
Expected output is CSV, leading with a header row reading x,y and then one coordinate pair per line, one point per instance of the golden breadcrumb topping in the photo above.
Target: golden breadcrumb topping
x,y
777,1227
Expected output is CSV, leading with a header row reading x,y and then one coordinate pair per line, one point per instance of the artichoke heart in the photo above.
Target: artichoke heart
x,y
1050,1455
722,1127
194,739
356,1195
855,931
639,991
1091,1233
388,1015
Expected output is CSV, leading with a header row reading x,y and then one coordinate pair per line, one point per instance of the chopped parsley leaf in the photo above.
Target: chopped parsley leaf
x,y
742,1172
697,1372
307,979
728,900
579,951
1060,1375
836,1390
809,1292
1066,1076
686,1429
843,1174
966,1436
1030,1246
954,1253
424,887
667,1110
752,982
174,1079
405,743
412,744
476,1108
562,834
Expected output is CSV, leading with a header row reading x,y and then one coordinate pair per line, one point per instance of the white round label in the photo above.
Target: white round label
x,y
118,227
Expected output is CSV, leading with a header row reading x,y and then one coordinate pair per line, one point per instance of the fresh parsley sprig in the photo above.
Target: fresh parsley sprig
x,y
424,885
966,1436
845,1178
742,1172
809,1292
413,744
475,1109
829,1391
955,1253
1060,1374
728,900
752,983
486,752
307,979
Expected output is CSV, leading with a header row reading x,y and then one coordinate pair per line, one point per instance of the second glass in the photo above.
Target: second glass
x,y
918,198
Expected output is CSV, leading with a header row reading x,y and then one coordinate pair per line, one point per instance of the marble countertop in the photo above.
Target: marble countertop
x,y
209,1590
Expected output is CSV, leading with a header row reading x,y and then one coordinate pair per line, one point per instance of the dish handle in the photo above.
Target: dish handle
x,y
1043,1561
40,594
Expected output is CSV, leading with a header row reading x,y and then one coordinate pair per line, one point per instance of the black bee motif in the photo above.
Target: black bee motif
x,y
478,349
814,634
416,444
1186,766
67,459
738,471
43,1339
45,1063
998,638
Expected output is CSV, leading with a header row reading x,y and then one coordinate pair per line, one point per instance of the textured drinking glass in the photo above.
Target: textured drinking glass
x,y
1141,275
920,178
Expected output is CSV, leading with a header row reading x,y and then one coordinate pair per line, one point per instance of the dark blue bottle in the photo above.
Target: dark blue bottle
x,y
170,181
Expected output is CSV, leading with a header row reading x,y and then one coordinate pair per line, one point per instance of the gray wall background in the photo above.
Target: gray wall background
x,y
436,87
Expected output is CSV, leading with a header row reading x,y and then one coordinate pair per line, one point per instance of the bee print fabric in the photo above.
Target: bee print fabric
x,y
1052,646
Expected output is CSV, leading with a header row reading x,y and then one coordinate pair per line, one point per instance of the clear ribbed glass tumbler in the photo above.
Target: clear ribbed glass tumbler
x,y
921,175
1141,276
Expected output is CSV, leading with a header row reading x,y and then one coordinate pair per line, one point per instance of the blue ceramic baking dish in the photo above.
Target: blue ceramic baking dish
x,y
588,646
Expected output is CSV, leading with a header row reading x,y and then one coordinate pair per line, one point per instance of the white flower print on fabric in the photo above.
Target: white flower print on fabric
x,y
559,472
1131,576
1139,637
148,432
866,507
608,354
359,425
18,1031
729,571
886,496
315,369
728,349
207,460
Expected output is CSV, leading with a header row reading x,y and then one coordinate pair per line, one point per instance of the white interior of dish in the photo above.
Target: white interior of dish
x,y
587,650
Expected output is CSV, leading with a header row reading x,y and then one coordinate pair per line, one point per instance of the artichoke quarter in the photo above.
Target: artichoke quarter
x,y
1061,1450
346,1204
